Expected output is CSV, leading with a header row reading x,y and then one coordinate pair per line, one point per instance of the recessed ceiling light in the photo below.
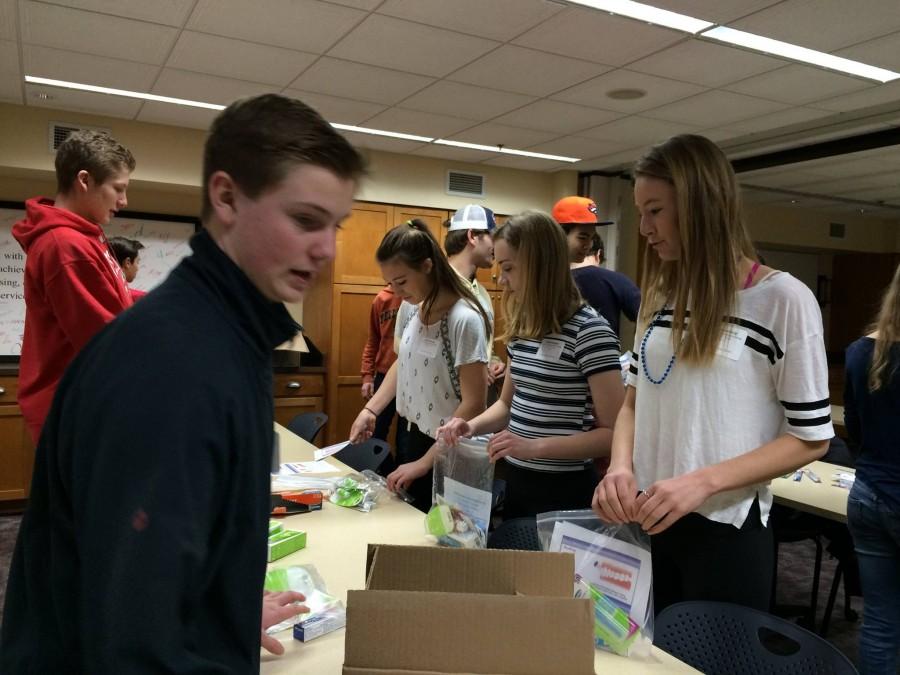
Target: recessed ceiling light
x,y
648,13
121,92
794,201
504,151
381,132
626,94
43,96
796,53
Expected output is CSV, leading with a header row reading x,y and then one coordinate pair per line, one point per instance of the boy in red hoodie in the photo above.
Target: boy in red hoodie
x,y
73,284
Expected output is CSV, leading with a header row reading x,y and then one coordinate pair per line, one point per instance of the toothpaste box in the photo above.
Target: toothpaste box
x,y
285,542
319,625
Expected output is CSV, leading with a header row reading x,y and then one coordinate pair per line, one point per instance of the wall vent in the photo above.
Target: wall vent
x,y
465,184
837,230
59,131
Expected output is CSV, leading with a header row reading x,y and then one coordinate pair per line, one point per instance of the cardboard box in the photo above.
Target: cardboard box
x,y
431,610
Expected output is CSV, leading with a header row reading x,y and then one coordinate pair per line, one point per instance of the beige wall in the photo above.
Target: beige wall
x,y
167,178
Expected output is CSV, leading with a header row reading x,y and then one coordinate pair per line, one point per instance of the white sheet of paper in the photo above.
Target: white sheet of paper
x,y
306,468
322,453
621,571
473,502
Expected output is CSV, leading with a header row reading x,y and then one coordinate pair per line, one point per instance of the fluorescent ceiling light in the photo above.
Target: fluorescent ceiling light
x,y
797,53
504,151
380,132
342,127
654,15
121,92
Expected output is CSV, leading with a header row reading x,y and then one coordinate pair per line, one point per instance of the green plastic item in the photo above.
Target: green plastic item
x,y
439,521
348,493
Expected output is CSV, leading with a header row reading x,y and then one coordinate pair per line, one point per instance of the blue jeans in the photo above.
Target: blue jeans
x,y
876,537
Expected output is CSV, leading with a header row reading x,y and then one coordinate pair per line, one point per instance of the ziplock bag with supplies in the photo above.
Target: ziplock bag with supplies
x,y
462,494
613,569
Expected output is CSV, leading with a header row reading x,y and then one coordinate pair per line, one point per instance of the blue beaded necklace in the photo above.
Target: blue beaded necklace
x,y
644,353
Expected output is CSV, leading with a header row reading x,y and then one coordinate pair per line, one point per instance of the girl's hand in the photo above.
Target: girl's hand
x,y
278,607
449,434
615,497
507,444
363,426
666,501
404,475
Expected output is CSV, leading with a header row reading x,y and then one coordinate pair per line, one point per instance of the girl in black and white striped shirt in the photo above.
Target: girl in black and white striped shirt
x,y
564,388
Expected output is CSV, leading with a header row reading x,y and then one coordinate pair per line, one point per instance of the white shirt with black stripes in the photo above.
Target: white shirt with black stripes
x,y
769,377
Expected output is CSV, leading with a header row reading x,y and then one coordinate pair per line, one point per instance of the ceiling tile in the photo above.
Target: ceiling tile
x,y
498,19
527,71
597,36
453,154
824,24
79,67
8,22
206,88
402,45
176,115
367,5
334,109
250,61
797,84
491,133
659,91
715,108
635,130
576,146
465,100
564,118
358,81
84,101
420,123
880,194
883,94
777,120
10,74
782,178
889,155
624,159
718,11
527,164
78,31
883,52
887,180
166,12
707,63
382,143
306,25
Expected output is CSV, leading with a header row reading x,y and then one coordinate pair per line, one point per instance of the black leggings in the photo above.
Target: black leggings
x,y
700,559
531,492
417,444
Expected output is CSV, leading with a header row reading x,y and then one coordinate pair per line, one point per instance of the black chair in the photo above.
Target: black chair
x,y
308,425
517,533
722,638
789,526
370,454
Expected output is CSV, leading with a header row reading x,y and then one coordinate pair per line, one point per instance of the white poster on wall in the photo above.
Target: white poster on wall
x,y
165,244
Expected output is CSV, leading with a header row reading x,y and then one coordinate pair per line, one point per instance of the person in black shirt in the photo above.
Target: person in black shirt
x,y
143,549
610,293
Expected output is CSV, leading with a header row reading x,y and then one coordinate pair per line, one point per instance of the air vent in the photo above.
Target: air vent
x,y
465,184
837,230
59,131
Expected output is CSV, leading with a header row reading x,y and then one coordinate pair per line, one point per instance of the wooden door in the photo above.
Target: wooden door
x,y
349,332
434,218
357,242
499,324
16,454
858,281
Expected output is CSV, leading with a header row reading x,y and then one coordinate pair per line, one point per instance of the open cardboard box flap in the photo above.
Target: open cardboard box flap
x,y
437,611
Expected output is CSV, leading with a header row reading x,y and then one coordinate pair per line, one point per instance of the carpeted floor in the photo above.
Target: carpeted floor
x,y
795,565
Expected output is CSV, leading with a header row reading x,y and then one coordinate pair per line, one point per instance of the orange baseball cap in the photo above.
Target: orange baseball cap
x,y
577,211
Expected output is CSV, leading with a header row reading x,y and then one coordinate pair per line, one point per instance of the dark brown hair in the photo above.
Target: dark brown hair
x,y
124,248
96,152
413,244
258,140
455,240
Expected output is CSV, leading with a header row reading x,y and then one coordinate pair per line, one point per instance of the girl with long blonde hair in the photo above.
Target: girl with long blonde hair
x,y
563,386
727,388
871,411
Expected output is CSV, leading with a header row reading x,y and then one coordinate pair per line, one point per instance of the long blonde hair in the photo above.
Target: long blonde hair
x,y
713,242
548,296
887,330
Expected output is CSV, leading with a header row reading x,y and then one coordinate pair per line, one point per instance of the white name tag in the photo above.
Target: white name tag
x,y
428,347
732,342
550,350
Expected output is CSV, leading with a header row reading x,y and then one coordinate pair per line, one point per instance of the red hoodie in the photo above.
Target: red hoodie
x,y
73,287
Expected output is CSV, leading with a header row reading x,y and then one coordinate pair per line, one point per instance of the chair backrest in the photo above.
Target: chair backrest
x,y
517,533
369,454
307,425
720,637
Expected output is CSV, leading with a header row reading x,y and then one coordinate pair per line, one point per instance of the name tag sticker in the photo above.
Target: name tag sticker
x,y
428,347
732,342
550,350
